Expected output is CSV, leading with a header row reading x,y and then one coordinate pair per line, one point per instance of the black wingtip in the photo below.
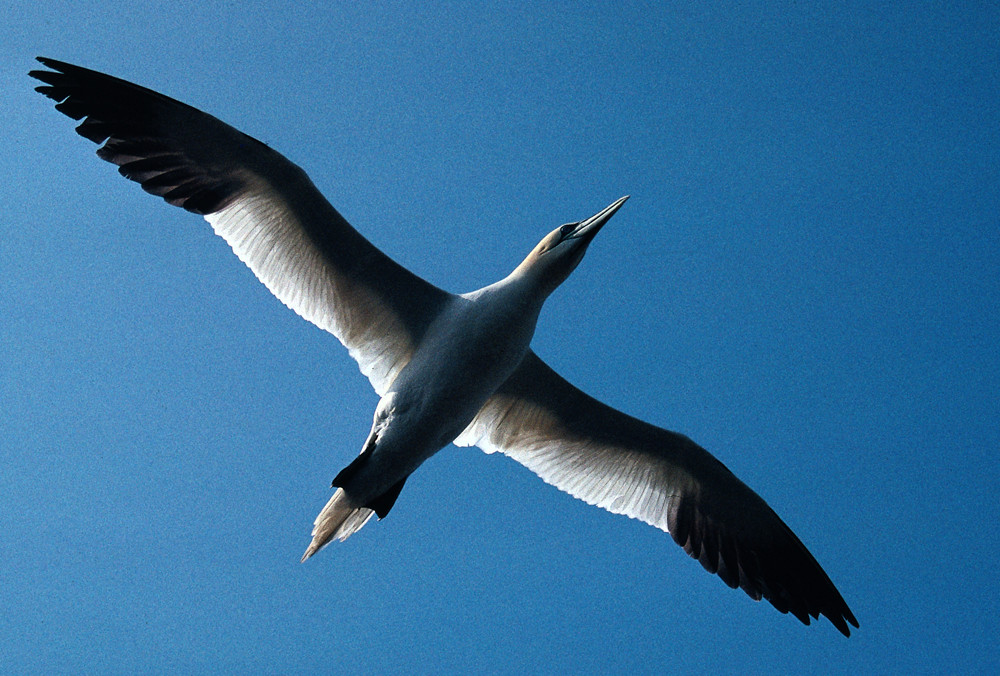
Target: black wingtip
x,y
157,141
48,63
49,78
56,64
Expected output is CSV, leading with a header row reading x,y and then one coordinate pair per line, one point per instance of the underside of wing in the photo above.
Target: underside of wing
x,y
626,466
264,206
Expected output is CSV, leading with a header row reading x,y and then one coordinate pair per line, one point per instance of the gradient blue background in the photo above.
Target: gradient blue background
x,y
805,281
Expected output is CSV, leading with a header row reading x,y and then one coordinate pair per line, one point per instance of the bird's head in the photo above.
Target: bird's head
x,y
557,255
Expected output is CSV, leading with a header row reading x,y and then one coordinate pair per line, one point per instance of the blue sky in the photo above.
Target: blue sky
x,y
804,281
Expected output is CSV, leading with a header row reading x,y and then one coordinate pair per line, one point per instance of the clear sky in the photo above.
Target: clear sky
x,y
805,281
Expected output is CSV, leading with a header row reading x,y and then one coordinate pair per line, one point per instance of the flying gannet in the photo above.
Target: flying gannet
x,y
448,368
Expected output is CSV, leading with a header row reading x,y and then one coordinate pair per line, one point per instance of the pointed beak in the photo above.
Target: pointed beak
x,y
592,225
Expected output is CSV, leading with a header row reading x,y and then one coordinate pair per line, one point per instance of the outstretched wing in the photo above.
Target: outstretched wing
x,y
264,206
626,466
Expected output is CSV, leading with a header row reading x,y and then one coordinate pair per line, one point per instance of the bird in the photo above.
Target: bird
x,y
448,368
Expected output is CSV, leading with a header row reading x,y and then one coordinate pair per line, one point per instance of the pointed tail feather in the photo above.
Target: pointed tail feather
x,y
340,518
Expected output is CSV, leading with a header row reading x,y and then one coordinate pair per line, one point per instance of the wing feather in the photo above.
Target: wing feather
x,y
264,206
617,462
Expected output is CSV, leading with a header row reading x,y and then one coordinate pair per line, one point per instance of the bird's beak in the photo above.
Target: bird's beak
x,y
588,228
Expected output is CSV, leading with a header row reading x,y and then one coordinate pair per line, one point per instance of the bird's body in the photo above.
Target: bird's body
x,y
470,349
448,368
472,345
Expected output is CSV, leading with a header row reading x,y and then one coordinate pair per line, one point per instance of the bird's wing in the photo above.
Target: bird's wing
x,y
626,466
264,206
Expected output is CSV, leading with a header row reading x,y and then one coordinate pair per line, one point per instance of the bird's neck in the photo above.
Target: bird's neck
x,y
533,281
523,288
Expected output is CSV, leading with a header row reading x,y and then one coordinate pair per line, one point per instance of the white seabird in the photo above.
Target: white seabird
x,y
448,368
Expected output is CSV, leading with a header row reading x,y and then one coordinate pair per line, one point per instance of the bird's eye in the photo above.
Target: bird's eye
x,y
566,229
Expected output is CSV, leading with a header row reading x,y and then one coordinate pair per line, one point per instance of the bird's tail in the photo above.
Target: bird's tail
x,y
341,518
